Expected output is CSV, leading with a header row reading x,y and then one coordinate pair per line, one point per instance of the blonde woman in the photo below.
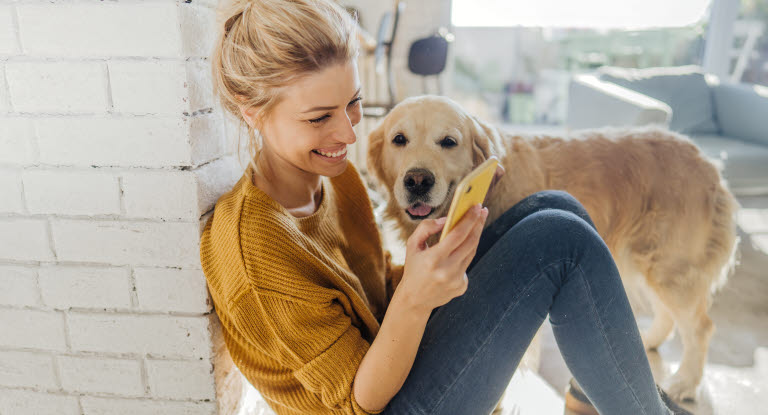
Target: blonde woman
x,y
295,266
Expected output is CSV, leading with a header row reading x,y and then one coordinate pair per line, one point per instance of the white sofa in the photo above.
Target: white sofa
x,y
728,121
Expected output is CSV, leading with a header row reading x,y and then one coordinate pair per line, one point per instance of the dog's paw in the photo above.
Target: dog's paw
x,y
680,388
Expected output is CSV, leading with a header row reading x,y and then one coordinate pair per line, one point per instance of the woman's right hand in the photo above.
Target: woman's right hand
x,y
432,276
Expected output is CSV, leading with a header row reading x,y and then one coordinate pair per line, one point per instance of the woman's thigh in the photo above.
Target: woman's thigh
x,y
473,344
546,199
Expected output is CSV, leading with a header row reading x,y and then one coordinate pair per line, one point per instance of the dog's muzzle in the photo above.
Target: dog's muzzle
x,y
418,182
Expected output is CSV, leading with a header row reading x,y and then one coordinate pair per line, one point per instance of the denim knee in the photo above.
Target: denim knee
x,y
556,236
544,200
558,199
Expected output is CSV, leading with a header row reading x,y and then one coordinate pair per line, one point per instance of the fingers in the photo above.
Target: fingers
x,y
459,232
424,230
466,250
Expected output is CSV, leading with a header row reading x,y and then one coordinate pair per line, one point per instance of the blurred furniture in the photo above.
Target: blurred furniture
x,y
428,56
377,85
382,52
749,31
728,121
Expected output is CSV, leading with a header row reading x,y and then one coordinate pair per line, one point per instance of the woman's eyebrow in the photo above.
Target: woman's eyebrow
x,y
329,107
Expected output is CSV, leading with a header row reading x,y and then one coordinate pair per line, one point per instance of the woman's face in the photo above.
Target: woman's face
x,y
316,114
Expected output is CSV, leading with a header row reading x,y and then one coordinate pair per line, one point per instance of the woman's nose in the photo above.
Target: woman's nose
x,y
345,131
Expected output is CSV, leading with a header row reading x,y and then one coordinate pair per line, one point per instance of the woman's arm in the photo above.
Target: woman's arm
x,y
388,361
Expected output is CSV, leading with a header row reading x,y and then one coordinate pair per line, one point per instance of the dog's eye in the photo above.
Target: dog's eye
x,y
448,142
399,140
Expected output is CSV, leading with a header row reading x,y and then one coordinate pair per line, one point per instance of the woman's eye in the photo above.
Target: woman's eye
x,y
355,101
316,120
326,116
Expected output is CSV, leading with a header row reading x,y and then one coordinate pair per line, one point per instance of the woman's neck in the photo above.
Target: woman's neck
x,y
296,190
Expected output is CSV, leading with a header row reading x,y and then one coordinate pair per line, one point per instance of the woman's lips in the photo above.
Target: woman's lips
x,y
333,159
330,150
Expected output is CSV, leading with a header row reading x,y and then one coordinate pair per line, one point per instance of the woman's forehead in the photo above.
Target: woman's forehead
x,y
329,87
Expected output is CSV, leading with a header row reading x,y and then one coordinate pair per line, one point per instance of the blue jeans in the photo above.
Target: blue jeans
x,y
541,257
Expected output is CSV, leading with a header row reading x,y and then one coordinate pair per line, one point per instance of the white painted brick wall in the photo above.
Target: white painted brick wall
x,y
36,329
10,188
155,334
19,286
53,191
171,289
66,87
86,29
20,401
101,375
30,369
9,44
114,406
167,195
112,155
62,287
17,141
181,379
113,140
25,239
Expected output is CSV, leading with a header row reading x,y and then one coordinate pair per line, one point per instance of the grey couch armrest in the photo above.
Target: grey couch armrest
x,y
595,103
742,111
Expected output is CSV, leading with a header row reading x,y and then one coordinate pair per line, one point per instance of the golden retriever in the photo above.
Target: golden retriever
x,y
659,204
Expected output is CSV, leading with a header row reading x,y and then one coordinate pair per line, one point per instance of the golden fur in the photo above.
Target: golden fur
x,y
660,205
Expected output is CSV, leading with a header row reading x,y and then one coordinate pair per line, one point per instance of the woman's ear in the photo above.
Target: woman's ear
x,y
486,141
249,115
374,153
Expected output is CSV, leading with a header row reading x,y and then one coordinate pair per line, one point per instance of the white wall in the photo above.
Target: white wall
x,y
111,152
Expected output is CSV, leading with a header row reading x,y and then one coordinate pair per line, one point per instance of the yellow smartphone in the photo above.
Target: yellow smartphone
x,y
470,191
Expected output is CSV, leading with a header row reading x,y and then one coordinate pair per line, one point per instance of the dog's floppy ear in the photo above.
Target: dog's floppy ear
x,y
486,141
373,156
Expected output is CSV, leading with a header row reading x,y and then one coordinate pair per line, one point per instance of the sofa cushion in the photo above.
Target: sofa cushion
x,y
742,111
683,88
746,163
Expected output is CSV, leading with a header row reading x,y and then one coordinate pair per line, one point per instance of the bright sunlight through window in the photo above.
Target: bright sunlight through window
x,y
595,14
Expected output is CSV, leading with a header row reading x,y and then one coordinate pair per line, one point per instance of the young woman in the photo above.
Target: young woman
x,y
295,266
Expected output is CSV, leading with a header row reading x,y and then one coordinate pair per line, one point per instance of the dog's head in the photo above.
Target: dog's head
x,y
421,151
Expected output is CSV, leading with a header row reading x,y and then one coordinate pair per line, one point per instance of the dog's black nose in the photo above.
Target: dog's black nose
x,y
419,181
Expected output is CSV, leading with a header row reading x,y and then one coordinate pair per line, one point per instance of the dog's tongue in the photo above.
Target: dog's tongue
x,y
419,209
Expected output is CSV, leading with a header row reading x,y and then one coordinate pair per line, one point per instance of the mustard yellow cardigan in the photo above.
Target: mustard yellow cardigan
x,y
300,299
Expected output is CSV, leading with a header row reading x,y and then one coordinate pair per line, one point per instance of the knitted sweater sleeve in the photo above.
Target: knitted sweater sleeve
x,y
315,339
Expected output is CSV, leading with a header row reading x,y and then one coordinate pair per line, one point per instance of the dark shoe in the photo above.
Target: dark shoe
x,y
577,402
672,405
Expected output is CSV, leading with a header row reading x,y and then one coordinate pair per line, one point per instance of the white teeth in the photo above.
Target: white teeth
x,y
336,154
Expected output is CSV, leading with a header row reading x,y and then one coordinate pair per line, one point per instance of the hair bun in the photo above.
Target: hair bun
x,y
228,10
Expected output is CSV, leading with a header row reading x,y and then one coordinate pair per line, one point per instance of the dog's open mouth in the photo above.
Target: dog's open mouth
x,y
419,210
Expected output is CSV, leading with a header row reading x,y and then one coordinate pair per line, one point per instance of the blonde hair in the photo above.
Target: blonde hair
x,y
263,46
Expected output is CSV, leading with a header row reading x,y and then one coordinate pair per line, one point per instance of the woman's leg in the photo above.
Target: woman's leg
x,y
546,199
548,261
